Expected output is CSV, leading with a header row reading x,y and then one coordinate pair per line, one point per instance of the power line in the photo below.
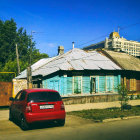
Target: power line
x,y
120,28
93,40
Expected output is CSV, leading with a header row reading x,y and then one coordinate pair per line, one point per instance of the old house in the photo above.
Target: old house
x,y
130,74
76,72
130,66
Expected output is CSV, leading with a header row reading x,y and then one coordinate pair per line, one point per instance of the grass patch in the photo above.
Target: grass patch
x,y
101,114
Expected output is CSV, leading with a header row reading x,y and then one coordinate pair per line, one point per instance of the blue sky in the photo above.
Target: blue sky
x,y
60,22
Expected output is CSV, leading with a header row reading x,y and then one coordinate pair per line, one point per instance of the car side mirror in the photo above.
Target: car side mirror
x,y
11,99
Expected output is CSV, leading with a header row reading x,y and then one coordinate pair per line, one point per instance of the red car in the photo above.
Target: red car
x,y
36,105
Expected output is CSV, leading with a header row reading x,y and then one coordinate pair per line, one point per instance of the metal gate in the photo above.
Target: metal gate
x,y
5,93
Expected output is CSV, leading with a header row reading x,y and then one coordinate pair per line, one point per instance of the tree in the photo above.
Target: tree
x,y
123,92
9,37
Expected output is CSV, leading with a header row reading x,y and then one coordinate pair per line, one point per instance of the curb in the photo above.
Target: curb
x,y
118,119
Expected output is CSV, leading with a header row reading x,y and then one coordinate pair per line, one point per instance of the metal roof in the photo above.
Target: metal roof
x,y
75,59
35,66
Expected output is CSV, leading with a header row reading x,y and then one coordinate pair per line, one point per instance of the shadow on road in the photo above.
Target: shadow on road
x,y
40,125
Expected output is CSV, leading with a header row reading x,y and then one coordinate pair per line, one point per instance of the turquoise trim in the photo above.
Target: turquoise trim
x,y
96,85
86,84
102,84
64,85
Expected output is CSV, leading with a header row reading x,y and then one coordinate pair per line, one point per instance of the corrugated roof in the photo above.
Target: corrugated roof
x,y
126,61
35,66
75,59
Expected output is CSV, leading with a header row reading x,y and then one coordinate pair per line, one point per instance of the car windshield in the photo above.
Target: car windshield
x,y
43,97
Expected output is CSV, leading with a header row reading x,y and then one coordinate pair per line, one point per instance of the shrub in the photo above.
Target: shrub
x,y
138,97
99,118
123,92
126,106
122,116
132,97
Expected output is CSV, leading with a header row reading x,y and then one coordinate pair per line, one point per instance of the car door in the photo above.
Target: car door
x,y
21,104
14,104
18,103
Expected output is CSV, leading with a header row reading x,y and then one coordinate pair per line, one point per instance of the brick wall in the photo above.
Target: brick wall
x,y
19,84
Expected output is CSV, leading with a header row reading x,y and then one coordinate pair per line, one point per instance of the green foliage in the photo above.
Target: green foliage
x,y
9,37
138,97
123,92
11,66
132,97
37,56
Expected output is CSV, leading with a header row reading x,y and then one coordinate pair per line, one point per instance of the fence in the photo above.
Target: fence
x,y
5,92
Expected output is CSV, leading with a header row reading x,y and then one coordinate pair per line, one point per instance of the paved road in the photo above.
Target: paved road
x,y
75,129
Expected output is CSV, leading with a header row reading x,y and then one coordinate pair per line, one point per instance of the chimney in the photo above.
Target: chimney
x,y
73,45
60,50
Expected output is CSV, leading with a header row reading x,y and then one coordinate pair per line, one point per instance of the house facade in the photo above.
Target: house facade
x,y
130,74
83,82
77,72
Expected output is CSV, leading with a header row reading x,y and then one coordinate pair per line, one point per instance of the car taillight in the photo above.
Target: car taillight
x,y
62,107
28,108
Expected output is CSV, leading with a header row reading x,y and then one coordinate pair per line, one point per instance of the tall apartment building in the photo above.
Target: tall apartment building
x,y
117,43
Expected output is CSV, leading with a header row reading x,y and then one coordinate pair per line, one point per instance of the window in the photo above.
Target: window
x,y
77,84
20,96
109,83
44,97
93,85
102,84
132,84
69,85
54,84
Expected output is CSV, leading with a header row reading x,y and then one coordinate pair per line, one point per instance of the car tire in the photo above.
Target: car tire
x,y
23,124
10,115
61,122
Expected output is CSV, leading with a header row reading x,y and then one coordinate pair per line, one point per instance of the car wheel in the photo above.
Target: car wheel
x,y
61,122
23,124
10,115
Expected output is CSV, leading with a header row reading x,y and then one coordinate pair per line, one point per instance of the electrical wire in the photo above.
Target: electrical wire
x,y
121,28
93,40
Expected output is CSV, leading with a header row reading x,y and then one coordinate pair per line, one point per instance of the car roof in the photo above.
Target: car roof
x,y
39,90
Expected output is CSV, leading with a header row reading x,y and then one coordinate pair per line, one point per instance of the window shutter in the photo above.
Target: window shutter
x,y
69,85
86,84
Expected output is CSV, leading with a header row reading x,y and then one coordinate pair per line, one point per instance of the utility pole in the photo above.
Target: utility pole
x,y
29,69
29,77
17,60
